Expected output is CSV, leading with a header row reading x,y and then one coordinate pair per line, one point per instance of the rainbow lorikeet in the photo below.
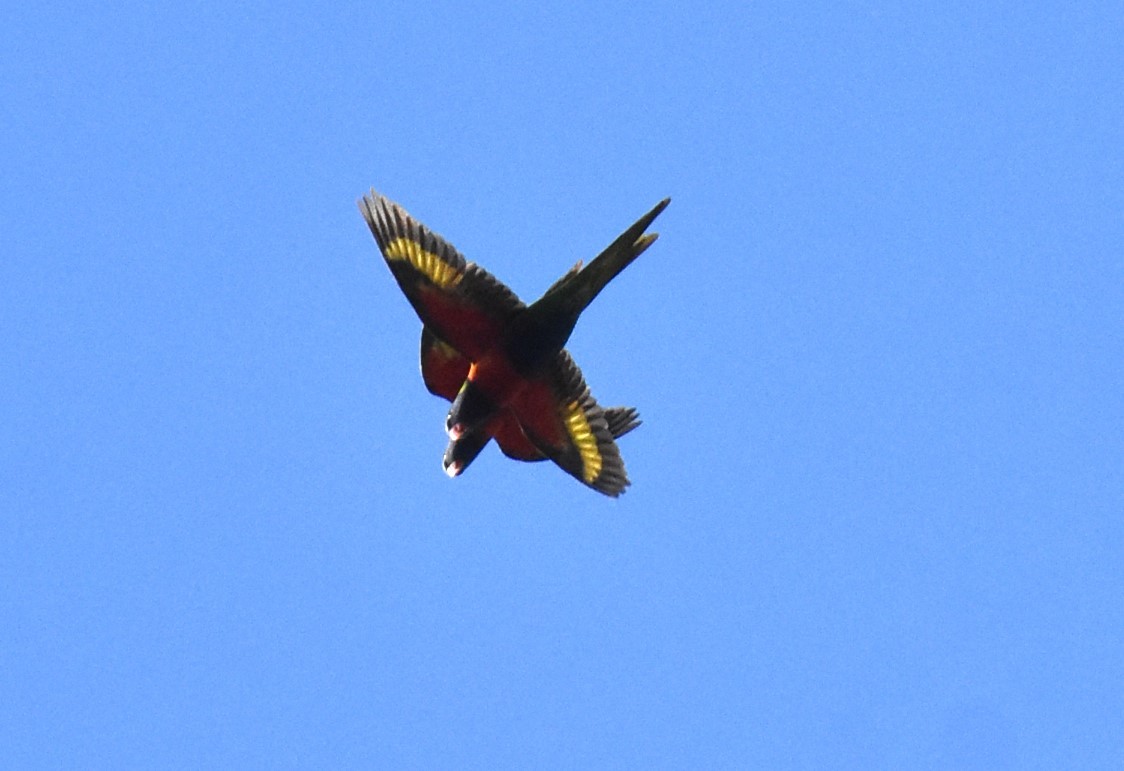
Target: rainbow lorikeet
x,y
501,362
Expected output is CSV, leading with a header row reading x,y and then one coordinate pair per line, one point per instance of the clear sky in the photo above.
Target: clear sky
x,y
876,514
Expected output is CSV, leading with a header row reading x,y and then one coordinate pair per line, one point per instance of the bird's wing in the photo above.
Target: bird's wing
x,y
560,416
443,367
515,444
444,370
459,301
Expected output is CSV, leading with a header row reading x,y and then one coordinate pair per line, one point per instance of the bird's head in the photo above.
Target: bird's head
x,y
462,451
469,412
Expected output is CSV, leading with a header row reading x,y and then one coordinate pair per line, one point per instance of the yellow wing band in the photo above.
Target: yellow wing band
x,y
580,432
427,263
444,350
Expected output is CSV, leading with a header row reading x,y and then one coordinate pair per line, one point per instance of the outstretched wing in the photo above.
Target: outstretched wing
x,y
459,301
515,444
444,370
560,416
443,367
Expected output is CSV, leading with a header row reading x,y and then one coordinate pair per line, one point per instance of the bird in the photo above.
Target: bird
x,y
444,370
503,363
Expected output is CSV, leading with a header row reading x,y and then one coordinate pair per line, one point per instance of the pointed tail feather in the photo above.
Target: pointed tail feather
x,y
621,420
577,289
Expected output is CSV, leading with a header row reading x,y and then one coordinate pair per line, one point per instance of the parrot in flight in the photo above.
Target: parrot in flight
x,y
503,363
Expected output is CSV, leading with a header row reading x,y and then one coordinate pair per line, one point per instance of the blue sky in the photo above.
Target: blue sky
x,y
876,512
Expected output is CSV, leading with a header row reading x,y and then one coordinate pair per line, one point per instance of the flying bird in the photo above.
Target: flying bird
x,y
502,363
444,371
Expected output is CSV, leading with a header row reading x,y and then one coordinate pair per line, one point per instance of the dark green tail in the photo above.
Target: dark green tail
x,y
536,335
574,291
